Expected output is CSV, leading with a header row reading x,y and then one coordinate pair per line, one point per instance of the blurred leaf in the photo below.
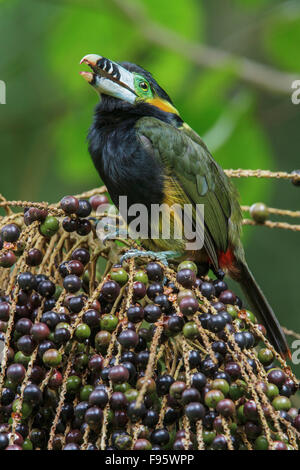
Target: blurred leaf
x,y
228,121
85,31
253,4
248,148
281,40
186,18
169,70
205,97
73,162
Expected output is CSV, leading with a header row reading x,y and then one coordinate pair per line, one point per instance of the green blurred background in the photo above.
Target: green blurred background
x,y
43,126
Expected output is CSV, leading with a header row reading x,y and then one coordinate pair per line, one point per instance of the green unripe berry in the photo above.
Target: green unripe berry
x,y
259,212
282,403
265,356
237,389
85,392
188,265
108,322
121,387
190,330
272,391
213,397
51,336
52,358
50,226
73,383
261,443
119,275
233,427
27,445
110,416
26,408
250,316
232,311
208,437
240,415
20,358
131,394
221,384
82,332
141,276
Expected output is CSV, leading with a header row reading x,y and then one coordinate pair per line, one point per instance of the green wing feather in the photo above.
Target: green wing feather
x,y
199,179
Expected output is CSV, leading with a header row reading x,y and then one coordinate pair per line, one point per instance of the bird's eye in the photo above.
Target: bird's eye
x,y
144,86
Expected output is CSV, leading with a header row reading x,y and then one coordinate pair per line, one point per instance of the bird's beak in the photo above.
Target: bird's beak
x,y
109,78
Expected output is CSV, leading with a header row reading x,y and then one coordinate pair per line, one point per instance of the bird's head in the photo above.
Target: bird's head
x,y
126,82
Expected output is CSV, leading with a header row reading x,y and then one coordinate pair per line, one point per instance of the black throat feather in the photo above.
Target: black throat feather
x,y
123,163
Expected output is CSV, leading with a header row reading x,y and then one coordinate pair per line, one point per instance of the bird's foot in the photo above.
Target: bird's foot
x,y
162,256
118,233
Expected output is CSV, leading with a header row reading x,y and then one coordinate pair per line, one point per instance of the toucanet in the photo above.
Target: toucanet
x,y
143,149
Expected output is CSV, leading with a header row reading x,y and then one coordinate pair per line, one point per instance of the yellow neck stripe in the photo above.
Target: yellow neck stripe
x,y
164,105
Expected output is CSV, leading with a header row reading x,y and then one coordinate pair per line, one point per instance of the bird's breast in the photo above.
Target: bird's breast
x,y
127,169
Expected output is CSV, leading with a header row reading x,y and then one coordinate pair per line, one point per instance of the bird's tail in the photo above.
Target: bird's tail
x,y
262,309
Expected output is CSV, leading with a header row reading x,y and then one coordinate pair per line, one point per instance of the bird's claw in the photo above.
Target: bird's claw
x,y
162,256
113,235
137,254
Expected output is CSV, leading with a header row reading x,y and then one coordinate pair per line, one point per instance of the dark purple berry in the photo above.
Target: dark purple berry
x,y
82,255
139,290
69,224
110,290
84,227
10,233
186,277
154,290
128,339
92,318
227,297
188,306
135,313
195,411
46,288
152,313
26,281
69,204
207,289
84,208
72,283
154,272
16,373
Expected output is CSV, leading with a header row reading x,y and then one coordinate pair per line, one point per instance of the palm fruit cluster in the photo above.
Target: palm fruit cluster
x,y
97,354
